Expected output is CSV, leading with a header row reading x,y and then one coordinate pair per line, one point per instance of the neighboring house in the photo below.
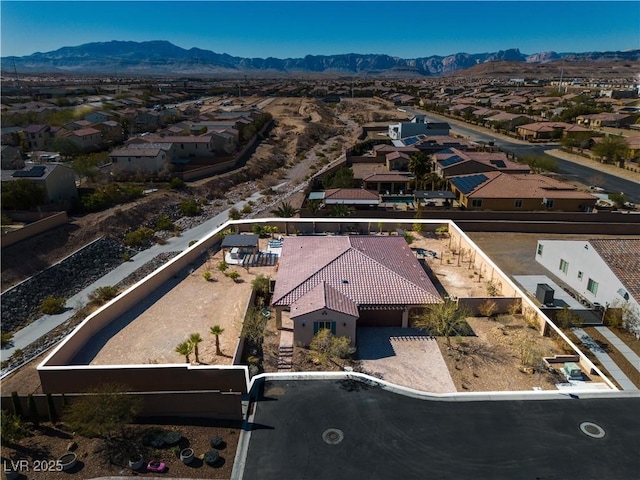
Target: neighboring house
x,y
357,197
523,192
151,158
111,131
603,271
86,139
343,282
417,126
38,137
398,161
12,136
77,125
599,120
387,183
452,162
549,130
511,120
185,146
11,158
58,181
99,117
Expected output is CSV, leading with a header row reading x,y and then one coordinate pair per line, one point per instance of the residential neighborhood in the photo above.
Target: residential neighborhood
x,y
333,266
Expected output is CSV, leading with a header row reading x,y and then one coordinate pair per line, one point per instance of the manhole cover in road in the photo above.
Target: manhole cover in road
x,y
591,429
332,436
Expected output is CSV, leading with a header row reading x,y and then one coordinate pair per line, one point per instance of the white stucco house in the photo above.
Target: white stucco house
x,y
603,271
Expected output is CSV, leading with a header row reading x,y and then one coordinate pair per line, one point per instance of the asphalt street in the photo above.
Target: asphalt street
x,y
345,429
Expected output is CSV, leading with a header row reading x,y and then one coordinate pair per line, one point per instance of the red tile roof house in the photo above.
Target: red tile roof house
x,y
548,130
344,282
453,162
351,196
523,192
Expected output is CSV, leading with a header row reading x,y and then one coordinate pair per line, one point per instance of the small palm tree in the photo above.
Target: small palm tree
x,y
194,340
217,330
185,348
286,210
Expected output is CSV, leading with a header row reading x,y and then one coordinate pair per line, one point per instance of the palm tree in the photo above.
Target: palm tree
x,y
419,165
194,340
314,207
185,348
217,330
286,210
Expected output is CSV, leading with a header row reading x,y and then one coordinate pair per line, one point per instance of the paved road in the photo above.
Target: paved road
x,y
384,435
610,183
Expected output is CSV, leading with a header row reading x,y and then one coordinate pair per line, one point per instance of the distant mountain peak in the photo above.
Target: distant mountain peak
x,y
163,57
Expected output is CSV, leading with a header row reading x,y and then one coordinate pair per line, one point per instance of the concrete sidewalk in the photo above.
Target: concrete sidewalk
x,y
619,345
606,361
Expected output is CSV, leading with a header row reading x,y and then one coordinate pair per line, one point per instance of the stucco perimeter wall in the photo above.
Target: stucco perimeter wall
x,y
35,228
57,377
485,267
173,404
144,378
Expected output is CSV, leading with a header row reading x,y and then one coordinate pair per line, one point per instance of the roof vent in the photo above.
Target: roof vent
x,y
345,281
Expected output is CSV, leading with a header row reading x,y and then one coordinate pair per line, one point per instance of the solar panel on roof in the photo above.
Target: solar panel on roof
x,y
35,172
451,161
410,141
468,184
498,163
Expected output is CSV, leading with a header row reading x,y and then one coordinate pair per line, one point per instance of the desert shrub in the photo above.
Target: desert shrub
x,y
176,183
6,338
207,275
246,209
565,318
193,242
409,238
52,305
190,208
488,308
102,295
222,266
234,214
235,276
138,237
164,223
442,230
417,227
493,288
261,285
13,429
326,347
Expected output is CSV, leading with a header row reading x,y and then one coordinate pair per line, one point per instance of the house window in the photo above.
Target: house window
x,y
549,203
579,275
540,249
518,203
564,266
328,325
476,202
592,286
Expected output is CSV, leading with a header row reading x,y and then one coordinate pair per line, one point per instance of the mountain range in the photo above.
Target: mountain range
x,y
163,58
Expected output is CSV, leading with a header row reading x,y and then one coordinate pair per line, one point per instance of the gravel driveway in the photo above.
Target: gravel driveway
x,y
404,356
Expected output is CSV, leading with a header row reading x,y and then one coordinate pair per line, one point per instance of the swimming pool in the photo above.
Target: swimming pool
x,y
398,199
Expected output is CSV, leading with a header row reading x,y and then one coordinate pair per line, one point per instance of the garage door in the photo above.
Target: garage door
x,y
380,318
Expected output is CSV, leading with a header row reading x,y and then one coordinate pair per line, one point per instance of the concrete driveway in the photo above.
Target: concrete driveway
x,y
404,356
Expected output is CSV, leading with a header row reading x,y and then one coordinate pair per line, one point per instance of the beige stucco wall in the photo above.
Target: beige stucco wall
x,y
303,326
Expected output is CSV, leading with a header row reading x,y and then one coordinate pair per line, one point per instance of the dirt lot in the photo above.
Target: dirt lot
x,y
50,441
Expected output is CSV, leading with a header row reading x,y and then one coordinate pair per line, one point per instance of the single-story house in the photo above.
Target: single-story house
x,y
523,192
452,162
388,183
357,197
343,282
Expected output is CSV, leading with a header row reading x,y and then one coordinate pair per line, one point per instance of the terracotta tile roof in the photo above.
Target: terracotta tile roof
x,y
396,154
545,126
323,296
524,185
623,258
368,270
85,131
496,160
350,194
387,177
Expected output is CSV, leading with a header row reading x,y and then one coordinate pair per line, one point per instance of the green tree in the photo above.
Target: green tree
x,y
190,208
261,284
539,163
442,319
184,348
217,330
286,210
326,347
420,166
340,210
618,198
22,194
65,146
102,413
342,178
612,150
194,340
234,214
86,167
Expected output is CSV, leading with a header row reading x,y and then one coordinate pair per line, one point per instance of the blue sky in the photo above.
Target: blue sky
x,y
296,28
